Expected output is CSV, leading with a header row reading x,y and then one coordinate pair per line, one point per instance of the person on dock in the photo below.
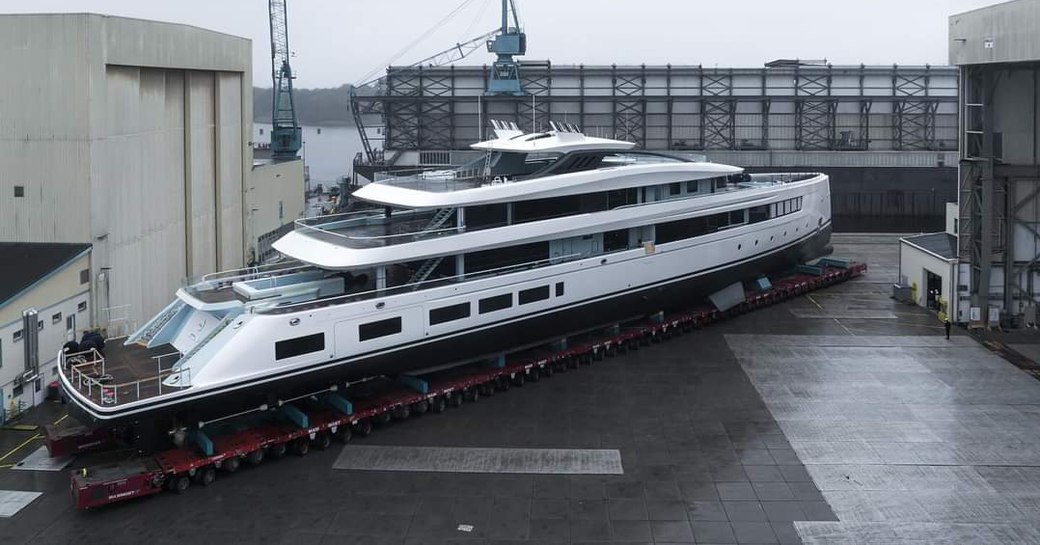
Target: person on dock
x,y
947,325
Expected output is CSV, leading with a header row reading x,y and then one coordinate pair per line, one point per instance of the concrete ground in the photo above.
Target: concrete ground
x,y
840,417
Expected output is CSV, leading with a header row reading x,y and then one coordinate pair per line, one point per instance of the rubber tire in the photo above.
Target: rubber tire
x,y
402,412
455,400
504,383
181,483
471,395
343,434
421,407
322,441
382,418
548,370
439,405
519,379
363,427
533,376
256,457
231,465
302,447
207,476
277,450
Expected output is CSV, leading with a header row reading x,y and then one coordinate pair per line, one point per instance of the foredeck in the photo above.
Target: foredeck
x,y
122,374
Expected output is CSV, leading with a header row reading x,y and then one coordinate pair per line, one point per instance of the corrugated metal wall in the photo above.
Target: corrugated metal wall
x,y
135,145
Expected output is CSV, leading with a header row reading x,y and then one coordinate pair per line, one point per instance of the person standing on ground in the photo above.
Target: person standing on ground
x,y
946,326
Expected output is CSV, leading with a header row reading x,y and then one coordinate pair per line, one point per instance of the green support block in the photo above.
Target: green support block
x,y
497,362
294,415
339,403
203,441
418,384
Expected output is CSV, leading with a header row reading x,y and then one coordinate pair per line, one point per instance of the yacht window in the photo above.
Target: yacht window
x,y
506,257
533,295
622,197
485,216
615,241
498,302
758,213
299,346
736,217
382,328
449,314
559,289
674,188
691,186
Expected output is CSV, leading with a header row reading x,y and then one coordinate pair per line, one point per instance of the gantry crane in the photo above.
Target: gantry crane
x,y
286,136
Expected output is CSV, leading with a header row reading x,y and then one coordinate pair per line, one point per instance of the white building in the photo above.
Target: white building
x,y
133,136
53,280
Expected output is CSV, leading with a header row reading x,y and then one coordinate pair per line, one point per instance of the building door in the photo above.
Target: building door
x,y
70,327
933,283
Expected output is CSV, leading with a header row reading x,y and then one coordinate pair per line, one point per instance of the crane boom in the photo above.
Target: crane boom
x,y
286,136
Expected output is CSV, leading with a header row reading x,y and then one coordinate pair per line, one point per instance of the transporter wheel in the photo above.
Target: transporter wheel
x,y
180,483
363,427
438,405
231,464
502,383
382,418
421,407
342,434
573,362
301,446
322,441
471,395
207,476
519,379
548,369
487,389
455,400
597,355
402,412
533,375
277,450
255,457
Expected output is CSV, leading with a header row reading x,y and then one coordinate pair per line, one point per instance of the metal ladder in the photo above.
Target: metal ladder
x,y
205,340
424,272
148,332
439,219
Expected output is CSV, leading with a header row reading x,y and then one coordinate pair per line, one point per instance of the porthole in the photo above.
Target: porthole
x,y
380,304
771,237
738,246
756,243
294,321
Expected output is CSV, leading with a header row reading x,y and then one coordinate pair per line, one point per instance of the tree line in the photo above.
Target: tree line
x,y
325,107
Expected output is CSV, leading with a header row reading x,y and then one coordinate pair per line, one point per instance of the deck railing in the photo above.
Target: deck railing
x,y
86,372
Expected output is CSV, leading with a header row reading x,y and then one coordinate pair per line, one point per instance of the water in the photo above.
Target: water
x,y
328,155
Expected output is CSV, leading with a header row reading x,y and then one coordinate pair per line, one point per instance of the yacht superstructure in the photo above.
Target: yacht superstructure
x,y
546,234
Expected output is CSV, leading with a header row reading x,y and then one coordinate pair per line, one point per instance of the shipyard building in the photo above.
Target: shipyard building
x,y
133,136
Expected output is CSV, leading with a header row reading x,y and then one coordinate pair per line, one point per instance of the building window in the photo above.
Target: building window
x,y
498,302
533,295
17,391
82,306
84,276
19,191
449,314
382,328
55,318
17,335
70,322
39,325
299,346
559,289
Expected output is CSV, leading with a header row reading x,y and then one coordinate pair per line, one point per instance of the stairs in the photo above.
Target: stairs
x,y
424,272
439,219
154,326
198,346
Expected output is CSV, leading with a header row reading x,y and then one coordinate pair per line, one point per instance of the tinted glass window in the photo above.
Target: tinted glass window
x,y
615,241
498,302
448,314
488,215
559,289
532,295
299,346
506,257
382,328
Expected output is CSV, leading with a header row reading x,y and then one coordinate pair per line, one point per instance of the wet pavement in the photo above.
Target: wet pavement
x,y
840,417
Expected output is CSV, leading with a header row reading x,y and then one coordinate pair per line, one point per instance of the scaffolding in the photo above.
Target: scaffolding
x,y
787,106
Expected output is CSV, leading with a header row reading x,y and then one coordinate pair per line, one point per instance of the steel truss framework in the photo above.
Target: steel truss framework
x,y
796,107
995,195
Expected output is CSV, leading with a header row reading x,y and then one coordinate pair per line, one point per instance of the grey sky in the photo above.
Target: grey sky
x,y
339,41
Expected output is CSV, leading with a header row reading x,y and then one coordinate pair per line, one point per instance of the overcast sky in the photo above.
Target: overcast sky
x,y
340,41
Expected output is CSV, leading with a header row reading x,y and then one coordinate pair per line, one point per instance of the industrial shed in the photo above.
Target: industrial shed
x,y
133,136
44,302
